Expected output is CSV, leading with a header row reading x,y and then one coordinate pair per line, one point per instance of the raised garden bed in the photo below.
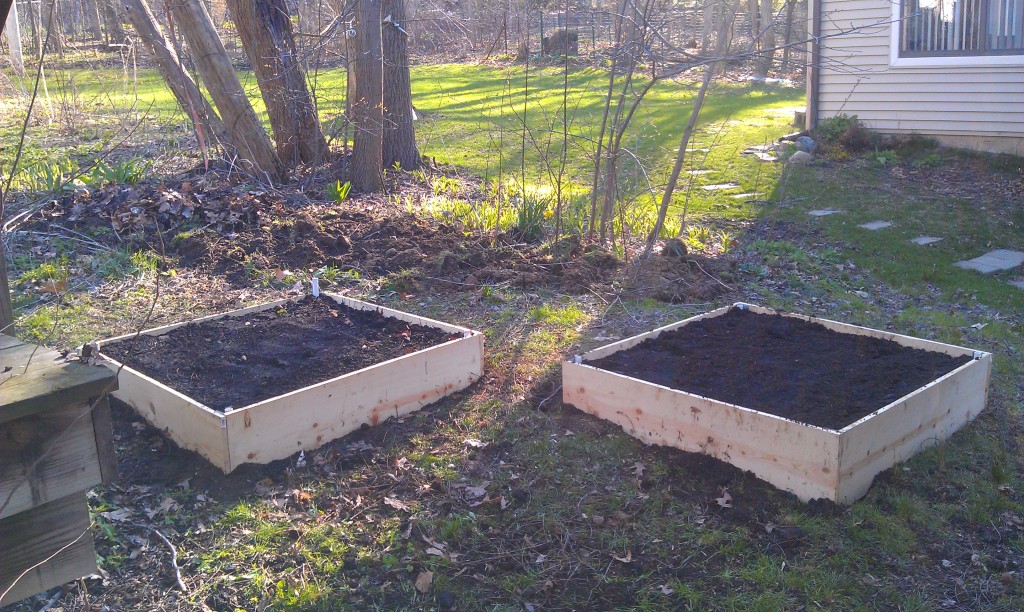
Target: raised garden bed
x,y
261,383
812,406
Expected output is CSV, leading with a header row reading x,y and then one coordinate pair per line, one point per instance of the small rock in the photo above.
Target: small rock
x,y
674,247
520,495
783,147
597,520
800,158
446,600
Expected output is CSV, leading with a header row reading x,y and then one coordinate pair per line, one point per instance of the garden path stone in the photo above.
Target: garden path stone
x,y
824,212
1018,284
925,240
748,194
993,261
720,186
874,226
698,172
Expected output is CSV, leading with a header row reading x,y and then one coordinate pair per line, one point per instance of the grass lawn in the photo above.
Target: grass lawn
x,y
572,513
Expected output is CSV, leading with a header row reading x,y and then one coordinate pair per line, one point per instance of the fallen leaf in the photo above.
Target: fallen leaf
x,y
473,442
627,559
665,590
119,515
437,552
725,500
53,286
423,581
638,469
396,504
301,496
541,559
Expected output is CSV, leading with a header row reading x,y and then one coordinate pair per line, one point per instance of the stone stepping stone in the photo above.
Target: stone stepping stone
x,y
747,195
698,150
720,186
824,212
874,226
993,261
698,172
1018,284
925,240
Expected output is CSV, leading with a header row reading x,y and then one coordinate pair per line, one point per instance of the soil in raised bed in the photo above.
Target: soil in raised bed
x,y
783,366
236,361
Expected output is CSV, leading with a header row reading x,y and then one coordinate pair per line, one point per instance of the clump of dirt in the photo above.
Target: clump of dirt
x,y
237,361
784,366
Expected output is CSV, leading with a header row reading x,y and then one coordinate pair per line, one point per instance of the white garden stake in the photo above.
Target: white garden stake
x,y
316,286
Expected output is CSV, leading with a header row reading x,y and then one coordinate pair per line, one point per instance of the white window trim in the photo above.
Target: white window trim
x,y
949,61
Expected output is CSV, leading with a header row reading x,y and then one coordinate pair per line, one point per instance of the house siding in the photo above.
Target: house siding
x,y
980,107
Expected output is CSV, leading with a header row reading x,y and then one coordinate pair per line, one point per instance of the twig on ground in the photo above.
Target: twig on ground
x,y
174,553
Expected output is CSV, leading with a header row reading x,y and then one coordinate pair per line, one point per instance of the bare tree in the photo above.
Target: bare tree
x,y
399,138
265,29
368,104
208,124
247,133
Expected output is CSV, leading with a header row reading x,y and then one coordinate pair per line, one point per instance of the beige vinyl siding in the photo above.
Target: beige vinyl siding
x,y
980,106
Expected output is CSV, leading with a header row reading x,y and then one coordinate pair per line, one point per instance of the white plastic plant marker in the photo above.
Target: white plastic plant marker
x,y
315,282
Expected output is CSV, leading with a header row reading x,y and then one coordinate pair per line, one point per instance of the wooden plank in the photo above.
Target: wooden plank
x,y
809,461
793,456
210,433
51,384
103,431
308,418
902,429
190,424
30,537
68,466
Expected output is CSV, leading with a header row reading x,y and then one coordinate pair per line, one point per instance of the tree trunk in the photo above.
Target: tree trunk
x,y
94,23
767,38
13,31
399,141
247,133
209,126
113,27
368,105
265,30
788,36
54,32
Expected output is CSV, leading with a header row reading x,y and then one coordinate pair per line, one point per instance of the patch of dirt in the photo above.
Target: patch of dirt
x,y
237,361
784,366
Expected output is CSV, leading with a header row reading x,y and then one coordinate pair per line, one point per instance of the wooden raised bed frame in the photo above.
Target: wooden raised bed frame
x,y
812,462
309,417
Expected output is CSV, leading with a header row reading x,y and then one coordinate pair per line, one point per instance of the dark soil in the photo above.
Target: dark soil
x,y
783,366
237,361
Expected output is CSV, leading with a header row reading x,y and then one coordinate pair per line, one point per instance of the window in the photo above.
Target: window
x,y
960,28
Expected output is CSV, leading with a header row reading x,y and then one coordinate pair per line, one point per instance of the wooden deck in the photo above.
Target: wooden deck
x,y
55,444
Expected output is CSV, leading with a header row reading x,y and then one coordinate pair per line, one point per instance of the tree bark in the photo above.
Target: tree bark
x,y
247,134
368,105
265,30
94,23
208,124
113,28
399,140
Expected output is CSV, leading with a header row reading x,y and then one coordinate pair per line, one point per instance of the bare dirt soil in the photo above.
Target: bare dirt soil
x,y
237,361
783,366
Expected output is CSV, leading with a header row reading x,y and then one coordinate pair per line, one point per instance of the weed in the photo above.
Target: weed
x,y
128,172
446,185
338,192
887,157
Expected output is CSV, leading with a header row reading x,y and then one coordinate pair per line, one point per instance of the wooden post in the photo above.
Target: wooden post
x,y
185,90
247,133
265,30
368,105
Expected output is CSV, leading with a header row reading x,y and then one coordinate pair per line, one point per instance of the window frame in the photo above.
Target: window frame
x,y
941,61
